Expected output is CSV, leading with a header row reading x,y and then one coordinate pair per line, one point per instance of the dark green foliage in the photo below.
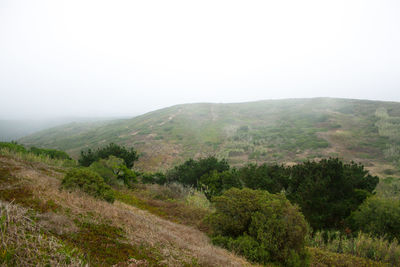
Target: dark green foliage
x,y
51,153
273,178
114,171
261,226
329,190
129,156
104,171
190,172
89,182
379,217
87,158
154,178
214,183
13,146
126,175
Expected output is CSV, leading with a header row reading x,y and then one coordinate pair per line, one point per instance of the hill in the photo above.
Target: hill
x,y
43,224
14,129
280,131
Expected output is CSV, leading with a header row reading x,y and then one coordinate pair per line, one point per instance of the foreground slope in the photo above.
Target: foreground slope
x,y
42,225
266,131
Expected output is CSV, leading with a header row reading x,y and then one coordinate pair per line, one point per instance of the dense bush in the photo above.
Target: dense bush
x,y
114,171
129,156
379,217
51,153
329,190
261,226
89,182
273,178
190,172
13,146
214,183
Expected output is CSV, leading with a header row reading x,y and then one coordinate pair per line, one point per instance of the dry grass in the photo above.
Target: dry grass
x,y
177,244
23,243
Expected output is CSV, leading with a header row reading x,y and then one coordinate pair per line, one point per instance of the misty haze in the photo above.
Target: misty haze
x,y
211,133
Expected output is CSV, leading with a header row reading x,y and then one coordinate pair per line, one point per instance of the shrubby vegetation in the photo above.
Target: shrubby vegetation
x,y
256,213
114,171
13,146
215,183
128,155
273,178
378,217
48,156
362,245
329,190
153,178
261,226
190,172
89,182
52,153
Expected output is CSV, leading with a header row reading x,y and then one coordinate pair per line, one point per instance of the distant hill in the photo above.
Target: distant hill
x,y
15,129
282,131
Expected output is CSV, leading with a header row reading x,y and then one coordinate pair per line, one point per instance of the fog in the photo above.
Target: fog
x,y
114,58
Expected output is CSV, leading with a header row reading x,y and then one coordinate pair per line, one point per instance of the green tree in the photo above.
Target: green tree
x,y
273,178
214,183
190,172
128,155
329,190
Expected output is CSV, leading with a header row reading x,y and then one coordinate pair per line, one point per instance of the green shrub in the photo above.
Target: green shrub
x,y
261,226
379,217
126,175
190,172
89,182
273,178
13,146
128,155
114,171
51,153
214,183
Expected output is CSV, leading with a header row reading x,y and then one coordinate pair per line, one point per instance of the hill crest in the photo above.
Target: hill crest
x,y
288,130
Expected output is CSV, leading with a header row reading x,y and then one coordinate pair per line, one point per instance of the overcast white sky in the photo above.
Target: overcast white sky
x,y
100,58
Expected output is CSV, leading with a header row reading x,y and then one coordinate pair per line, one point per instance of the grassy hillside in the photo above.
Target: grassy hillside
x,y
281,131
41,225
149,225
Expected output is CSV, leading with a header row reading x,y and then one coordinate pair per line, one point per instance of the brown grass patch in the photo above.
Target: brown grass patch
x,y
23,243
177,245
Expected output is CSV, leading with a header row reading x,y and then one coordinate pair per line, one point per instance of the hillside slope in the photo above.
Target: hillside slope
x,y
41,225
265,131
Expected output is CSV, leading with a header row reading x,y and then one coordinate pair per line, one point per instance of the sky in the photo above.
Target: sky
x,y
125,57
